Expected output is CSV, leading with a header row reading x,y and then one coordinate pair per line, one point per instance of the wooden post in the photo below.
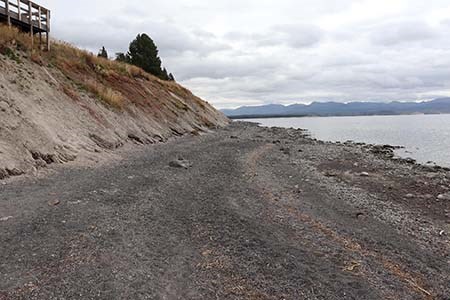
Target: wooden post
x,y
40,28
7,12
48,30
39,16
19,10
30,17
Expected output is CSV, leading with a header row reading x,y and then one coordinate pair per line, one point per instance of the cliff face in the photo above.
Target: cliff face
x,y
57,106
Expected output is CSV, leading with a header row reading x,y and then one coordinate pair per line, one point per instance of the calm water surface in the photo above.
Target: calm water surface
x,y
425,137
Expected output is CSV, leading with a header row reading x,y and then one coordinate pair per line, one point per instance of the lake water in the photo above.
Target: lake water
x,y
425,137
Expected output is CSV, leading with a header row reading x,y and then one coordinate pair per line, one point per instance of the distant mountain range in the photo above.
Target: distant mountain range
x,y
437,106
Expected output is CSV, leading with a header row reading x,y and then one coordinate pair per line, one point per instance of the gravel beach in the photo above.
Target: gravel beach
x,y
244,212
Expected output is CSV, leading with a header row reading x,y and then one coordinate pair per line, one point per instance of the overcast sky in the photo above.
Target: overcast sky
x,y
250,52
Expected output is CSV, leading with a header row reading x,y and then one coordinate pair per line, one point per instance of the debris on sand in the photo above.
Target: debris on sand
x,y
352,266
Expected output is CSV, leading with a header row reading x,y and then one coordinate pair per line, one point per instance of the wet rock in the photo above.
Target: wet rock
x,y
180,163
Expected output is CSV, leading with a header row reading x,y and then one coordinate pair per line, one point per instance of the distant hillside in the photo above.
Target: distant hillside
x,y
437,106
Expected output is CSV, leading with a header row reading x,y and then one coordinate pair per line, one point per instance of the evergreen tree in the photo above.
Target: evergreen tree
x,y
122,57
171,77
144,54
103,53
164,75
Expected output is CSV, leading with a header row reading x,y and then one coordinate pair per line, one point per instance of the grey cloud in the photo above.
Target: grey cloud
x,y
295,36
402,32
299,35
117,33
258,51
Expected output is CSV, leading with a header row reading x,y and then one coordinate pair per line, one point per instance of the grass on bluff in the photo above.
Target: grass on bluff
x,y
94,74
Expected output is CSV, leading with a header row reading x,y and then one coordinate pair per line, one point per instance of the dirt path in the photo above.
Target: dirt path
x,y
261,214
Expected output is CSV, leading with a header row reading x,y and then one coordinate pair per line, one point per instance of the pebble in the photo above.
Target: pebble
x,y
4,219
180,163
444,196
409,196
54,202
364,174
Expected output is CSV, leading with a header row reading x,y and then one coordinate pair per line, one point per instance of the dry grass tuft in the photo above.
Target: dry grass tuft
x,y
113,82
70,92
106,94
13,37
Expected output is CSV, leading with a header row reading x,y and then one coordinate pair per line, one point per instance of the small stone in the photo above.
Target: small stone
x,y
180,163
364,174
330,174
4,219
444,196
360,215
409,196
54,202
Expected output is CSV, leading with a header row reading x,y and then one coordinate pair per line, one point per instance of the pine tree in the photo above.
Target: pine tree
x,y
144,54
171,77
103,53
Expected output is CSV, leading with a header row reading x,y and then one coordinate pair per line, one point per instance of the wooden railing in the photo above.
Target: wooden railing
x,y
27,15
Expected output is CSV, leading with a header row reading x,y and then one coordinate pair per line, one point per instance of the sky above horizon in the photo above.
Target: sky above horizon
x,y
251,52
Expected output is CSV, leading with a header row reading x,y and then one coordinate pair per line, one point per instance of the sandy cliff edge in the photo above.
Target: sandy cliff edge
x,y
67,103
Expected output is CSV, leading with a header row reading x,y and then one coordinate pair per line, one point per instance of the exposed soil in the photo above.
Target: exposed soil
x,y
48,116
242,213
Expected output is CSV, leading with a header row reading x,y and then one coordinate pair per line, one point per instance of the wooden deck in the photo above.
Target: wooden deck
x,y
28,16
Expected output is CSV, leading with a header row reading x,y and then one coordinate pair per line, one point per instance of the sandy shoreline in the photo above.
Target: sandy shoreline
x,y
258,213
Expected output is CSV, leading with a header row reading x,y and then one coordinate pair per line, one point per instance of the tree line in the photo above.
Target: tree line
x,y
142,53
